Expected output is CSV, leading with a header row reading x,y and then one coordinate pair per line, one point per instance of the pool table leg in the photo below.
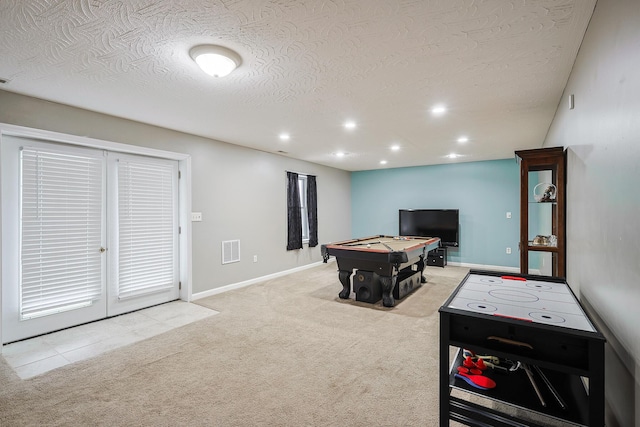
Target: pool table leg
x,y
421,265
388,283
345,279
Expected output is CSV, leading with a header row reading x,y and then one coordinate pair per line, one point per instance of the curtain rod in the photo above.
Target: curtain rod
x,y
300,173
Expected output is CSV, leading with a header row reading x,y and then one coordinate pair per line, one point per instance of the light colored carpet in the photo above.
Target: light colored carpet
x,y
285,352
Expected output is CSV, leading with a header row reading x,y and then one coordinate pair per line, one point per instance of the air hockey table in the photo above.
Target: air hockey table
x,y
382,259
530,321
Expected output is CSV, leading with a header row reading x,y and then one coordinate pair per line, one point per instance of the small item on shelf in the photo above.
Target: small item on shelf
x,y
533,383
473,371
551,388
496,368
493,359
468,363
477,381
544,192
541,240
480,365
482,362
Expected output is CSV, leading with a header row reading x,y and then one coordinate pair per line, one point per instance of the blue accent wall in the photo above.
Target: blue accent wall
x,y
483,192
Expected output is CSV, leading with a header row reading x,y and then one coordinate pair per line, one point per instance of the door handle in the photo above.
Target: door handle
x,y
103,250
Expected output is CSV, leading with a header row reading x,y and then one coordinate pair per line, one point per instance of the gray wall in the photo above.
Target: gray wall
x,y
240,191
602,135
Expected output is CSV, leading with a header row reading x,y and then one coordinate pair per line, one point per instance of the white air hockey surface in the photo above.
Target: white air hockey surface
x,y
535,301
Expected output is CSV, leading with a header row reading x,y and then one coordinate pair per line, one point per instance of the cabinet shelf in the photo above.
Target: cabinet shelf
x,y
515,388
541,248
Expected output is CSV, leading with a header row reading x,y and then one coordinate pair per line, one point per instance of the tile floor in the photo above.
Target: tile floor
x,y
41,354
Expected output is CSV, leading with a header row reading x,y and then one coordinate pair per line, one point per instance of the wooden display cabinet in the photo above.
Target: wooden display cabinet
x,y
542,211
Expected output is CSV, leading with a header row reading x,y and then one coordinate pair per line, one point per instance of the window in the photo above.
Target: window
x,y
302,190
302,207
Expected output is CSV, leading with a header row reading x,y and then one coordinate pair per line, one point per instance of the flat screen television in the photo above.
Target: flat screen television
x,y
442,223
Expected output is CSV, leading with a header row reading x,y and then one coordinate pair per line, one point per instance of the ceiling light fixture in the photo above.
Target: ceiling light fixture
x,y
395,147
438,110
350,125
452,156
284,136
340,154
383,162
463,139
217,61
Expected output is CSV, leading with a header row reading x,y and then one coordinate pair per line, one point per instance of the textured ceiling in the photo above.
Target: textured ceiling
x,y
308,65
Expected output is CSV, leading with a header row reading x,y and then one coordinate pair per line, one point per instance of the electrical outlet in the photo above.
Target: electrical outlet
x,y
508,215
196,216
255,258
508,250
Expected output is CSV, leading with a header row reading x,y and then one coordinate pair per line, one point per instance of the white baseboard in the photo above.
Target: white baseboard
x,y
249,282
486,267
492,267
239,285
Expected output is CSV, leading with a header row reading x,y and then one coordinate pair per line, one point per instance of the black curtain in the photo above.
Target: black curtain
x,y
312,210
294,217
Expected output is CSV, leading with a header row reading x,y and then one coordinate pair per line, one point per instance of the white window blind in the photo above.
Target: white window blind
x,y
146,228
60,231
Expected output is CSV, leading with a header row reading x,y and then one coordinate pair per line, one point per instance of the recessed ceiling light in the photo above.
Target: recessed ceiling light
x,y
438,110
453,156
339,154
383,162
285,136
463,139
350,124
217,61
395,147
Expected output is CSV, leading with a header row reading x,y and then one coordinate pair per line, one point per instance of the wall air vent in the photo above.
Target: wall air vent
x,y
230,251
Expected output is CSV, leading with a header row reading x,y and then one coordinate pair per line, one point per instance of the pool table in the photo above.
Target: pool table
x,y
386,256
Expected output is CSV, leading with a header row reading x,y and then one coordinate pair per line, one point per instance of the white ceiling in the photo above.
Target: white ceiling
x,y
500,66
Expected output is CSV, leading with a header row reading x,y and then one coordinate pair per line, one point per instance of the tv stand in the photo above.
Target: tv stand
x,y
437,257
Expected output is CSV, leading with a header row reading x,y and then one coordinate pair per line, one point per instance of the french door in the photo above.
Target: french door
x,y
87,234
143,232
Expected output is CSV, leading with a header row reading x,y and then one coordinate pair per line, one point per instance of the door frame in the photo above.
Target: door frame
x,y
184,191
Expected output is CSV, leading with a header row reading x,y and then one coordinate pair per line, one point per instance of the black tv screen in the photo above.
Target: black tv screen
x,y
442,223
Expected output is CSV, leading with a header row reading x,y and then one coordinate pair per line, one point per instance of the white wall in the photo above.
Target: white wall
x,y
602,134
240,191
